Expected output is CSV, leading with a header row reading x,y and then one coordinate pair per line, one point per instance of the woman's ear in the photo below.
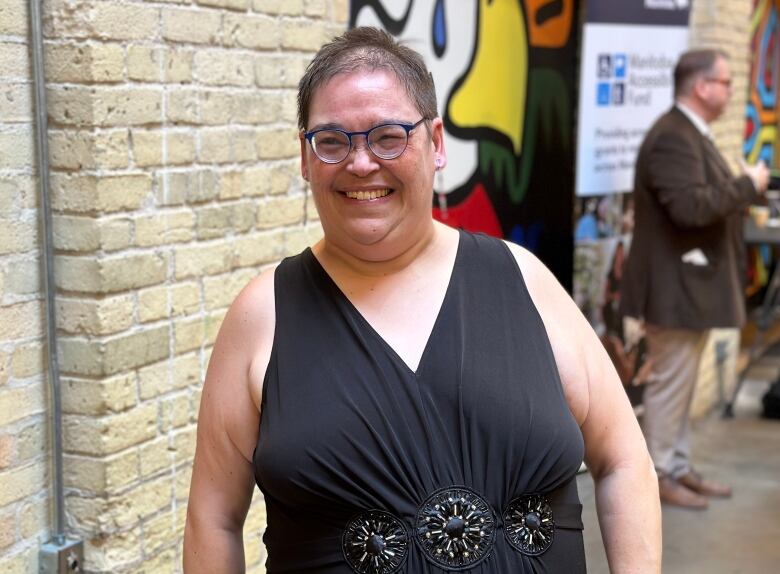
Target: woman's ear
x,y
304,168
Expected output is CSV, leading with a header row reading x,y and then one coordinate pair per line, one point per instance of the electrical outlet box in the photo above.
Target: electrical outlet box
x,y
64,558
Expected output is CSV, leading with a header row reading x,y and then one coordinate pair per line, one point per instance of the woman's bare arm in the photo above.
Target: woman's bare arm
x,y
615,451
228,422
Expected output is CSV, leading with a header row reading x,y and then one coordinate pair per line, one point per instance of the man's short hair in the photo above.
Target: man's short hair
x,y
692,65
368,49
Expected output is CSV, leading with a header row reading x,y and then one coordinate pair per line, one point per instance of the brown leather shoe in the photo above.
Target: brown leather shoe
x,y
675,494
697,483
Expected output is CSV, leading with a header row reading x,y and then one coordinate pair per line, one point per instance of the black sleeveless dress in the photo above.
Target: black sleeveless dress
x,y
466,465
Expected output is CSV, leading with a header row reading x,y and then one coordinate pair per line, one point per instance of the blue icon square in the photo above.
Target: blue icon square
x,y
619,65
603,94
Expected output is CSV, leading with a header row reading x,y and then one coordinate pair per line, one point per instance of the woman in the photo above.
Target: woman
x,y
395,390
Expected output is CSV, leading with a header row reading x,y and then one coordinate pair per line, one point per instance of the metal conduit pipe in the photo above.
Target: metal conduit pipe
x,y
47,236
59,554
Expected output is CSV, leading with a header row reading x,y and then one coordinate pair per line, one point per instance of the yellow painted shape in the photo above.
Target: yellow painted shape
x,y
493,93
767,134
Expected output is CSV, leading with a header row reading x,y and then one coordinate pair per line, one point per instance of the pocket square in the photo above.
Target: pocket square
x,y
695,257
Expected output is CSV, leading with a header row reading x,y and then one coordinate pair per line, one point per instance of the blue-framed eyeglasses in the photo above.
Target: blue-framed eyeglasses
x,y
386,141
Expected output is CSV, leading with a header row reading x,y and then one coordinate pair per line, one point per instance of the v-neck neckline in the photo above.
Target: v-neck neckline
x,y
355,312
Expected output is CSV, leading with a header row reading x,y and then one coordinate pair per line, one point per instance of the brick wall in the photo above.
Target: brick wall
x,y
723,24
174,180
24,473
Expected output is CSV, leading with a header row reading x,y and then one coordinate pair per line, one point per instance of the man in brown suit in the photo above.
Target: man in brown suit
x,y
684,274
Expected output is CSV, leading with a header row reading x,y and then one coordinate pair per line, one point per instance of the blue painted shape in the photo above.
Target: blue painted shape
x,y
767,94
602,97
439,29
530,239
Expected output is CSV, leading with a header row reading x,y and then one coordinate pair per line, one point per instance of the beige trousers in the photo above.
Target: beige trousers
x,y
675,355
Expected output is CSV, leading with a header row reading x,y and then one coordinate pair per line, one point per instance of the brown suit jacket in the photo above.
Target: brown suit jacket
x,y
687,201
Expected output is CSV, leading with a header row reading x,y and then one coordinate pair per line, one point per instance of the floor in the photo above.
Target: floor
x,y
736,536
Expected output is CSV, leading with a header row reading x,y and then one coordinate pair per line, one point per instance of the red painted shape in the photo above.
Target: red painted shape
x,y
476,213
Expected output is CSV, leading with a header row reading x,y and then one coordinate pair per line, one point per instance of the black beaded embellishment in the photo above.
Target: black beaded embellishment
x,y
455,528
529,524
375,542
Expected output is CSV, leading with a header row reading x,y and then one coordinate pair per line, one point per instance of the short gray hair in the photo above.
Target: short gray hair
x,y
692,65
368,49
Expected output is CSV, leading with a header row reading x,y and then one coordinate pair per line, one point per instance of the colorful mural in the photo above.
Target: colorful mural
x,y
762,110
504,74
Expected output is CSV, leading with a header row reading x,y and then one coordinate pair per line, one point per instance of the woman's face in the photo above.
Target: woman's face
x,y
372,229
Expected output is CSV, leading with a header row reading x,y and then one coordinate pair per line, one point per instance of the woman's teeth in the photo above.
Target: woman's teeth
x,y
367,195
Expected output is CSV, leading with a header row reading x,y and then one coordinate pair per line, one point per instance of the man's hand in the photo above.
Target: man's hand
x,y
758,173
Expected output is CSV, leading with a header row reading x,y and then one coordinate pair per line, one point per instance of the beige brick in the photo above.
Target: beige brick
x,y
105,107
22,320
162,562
271,180
88,193
280,211
114,355
32,440
153,304
119,273
184,443
220,290
163,377
147,147
142,501
114,21
188,334
34,517
174,188
279,71
183,107
16,102
191,26
24,277
8,531
180,148
21,402
178,66
115,233
13,18
230,184
156,456
257,108
286,7
315,8
14,61
216,107
19,483
174,412
16,147
158,532
227,146
85,63
276,143
109,434
250,31
95,316
116,551
197,260
303,35
28,360
7,450
74,233
105,474
150,230
257,249
179,226
214,221
106,396
145,63
87,150
21,561
213,323
5,367
298,238
222,68
17,236
185,299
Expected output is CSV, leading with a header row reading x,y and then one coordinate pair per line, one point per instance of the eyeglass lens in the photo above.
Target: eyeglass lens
x,y
386,142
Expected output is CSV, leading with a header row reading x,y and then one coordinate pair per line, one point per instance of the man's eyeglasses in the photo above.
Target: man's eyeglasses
x,y
722,81
386,141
